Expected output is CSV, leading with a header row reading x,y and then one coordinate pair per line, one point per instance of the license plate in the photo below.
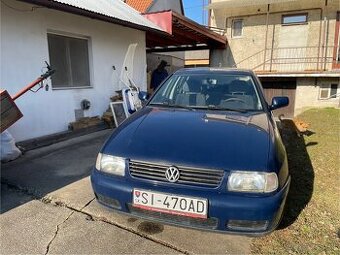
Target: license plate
x,y
173,204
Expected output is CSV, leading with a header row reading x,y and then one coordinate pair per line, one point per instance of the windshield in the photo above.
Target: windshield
x,y
209,91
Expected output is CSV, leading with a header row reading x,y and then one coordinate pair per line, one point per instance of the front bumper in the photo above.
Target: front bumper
x,y
223,207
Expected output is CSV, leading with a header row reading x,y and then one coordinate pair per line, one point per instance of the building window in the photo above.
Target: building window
x,y
292,19
334,90
69,56
329,91
237,28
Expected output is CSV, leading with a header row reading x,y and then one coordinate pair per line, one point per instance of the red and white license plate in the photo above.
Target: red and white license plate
x,y
173,204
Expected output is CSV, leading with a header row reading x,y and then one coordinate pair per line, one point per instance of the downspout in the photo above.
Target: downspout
x,y
323,53
266,38
272,49
320,35
326,42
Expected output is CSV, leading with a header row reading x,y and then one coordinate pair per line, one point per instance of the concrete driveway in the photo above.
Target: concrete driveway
x,y
47,206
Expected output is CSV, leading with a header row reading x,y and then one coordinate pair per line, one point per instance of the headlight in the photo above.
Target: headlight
x,y
110,164
252,182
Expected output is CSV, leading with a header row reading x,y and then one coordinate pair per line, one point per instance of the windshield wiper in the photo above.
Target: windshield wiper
x,y
160,104
217,108
166,104
201,107
181,106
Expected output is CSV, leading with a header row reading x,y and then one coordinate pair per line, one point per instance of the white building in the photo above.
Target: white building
x,y
83,40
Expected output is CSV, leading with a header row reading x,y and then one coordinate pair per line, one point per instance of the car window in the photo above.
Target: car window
x,y
211,91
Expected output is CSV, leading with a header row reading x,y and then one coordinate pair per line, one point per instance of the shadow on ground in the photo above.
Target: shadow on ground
x,y
301,171
51,168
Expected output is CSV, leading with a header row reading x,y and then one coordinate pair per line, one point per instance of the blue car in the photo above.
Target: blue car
x,y
204,152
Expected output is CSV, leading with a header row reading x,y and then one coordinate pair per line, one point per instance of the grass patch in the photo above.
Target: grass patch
x,y
311,223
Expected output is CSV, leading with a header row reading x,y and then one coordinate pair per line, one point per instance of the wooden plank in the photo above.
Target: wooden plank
x,y
85,123
10,113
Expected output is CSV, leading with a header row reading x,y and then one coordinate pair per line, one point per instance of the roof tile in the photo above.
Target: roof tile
x,y
139,5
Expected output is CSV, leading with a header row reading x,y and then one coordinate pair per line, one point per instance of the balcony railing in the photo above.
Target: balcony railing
x,y
291,59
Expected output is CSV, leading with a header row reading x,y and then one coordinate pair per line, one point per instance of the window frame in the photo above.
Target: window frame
x,y
293,15
89,49
330,91
328,87
232,28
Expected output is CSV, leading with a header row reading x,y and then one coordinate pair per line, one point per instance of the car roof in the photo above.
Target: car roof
x,y
210,70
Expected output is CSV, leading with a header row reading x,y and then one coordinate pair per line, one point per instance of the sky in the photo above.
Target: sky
x,y
193,10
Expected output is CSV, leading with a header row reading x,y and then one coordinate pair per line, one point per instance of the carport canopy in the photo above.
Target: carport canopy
x,y
183,34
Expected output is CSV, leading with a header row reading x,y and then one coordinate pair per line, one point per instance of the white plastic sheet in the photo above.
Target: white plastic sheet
x,y
126,74
8,149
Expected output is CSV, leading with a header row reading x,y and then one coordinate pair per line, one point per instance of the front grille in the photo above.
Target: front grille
x,y
209,223
188,175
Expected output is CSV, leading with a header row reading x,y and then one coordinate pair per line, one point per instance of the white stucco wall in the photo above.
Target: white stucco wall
x,y
308,92
23,52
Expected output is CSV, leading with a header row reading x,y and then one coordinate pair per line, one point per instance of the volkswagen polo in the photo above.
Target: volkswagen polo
x,y
204,152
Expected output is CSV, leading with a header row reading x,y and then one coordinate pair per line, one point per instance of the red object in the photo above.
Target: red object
x,y
10,113
161,19
28,87
182,34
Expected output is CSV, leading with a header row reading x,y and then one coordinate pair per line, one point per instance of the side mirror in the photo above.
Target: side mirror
x,y
278,102
143,95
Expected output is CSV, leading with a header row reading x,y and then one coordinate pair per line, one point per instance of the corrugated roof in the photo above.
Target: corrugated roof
x,y
116,9
140,5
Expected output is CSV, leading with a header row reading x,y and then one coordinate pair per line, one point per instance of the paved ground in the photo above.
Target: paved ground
x,y
47,206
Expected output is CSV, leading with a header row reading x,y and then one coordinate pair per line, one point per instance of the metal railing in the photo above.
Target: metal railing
x,y
290,59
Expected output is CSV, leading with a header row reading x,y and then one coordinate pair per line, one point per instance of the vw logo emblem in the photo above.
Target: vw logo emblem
x,y
172,174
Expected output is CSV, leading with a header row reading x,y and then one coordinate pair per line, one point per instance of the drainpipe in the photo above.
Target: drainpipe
x,y
265,43
319,44
326,42
272,50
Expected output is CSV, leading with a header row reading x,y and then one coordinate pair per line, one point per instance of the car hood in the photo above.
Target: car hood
x,y
208,139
